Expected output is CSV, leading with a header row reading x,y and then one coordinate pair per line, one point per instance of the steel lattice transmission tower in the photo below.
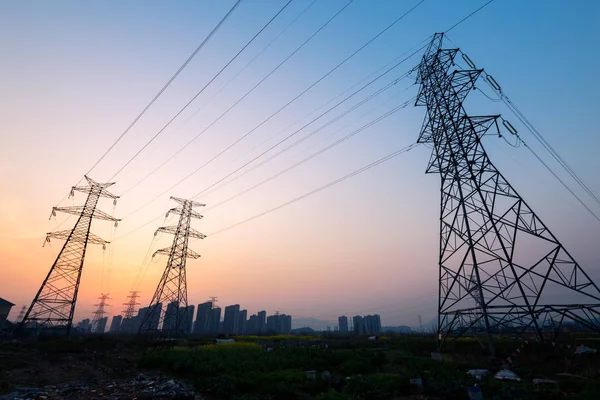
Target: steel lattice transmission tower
x,y
171,293
54,303
130,310
500,267
99,312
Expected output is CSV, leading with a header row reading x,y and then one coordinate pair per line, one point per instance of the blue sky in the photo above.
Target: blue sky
x,y
75,75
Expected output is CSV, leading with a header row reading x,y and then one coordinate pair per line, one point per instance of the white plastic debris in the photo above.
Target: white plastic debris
x,y
507,375
478,373
584,350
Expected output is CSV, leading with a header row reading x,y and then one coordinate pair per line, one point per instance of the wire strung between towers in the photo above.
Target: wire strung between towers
x,y
421,46
199,92
316,154
289,102
315,131
243,97
326,186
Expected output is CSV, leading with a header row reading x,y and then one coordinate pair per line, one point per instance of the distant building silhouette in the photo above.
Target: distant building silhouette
x,y
343,323
101,327
368,324
5,307
231,319
203,319
241,328
115,324
214,324
261,323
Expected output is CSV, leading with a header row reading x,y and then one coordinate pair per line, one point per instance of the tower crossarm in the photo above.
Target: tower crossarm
x,y
77,210
173,230
190,202
64,235
167,250
179,211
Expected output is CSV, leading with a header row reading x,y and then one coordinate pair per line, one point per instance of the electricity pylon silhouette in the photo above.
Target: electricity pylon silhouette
x,y
171,291
54,303
99,312
500,267
130,310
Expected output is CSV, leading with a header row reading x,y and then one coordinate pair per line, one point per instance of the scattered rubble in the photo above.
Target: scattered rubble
x,y
507,375
142,387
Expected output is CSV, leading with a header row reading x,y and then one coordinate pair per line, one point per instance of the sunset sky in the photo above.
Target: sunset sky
x,y
75,74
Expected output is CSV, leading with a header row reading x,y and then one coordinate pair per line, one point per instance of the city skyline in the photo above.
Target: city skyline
x,y
368,245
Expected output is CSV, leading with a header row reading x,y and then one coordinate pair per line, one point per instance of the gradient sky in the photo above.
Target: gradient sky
x,y
74,75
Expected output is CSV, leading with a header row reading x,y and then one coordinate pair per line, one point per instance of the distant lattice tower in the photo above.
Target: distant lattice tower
x,y
171,292
54,304
500,267
99,313
130,309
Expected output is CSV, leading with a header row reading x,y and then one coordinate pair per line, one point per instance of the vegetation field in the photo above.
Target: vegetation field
x,y
291,367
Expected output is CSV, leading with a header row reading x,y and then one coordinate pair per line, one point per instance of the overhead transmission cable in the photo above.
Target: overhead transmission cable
x,y
351,95
286,105
290,101
312,133
161,91
316,154
233,78
201,91
245,95
326,186
420,48
537,135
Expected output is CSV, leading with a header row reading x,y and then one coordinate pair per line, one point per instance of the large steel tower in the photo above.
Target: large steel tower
x,y
171,292
500,267
54,303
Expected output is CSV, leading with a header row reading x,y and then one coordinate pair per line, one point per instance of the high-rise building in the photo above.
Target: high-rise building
x,y
101,325
115,324
359,325
231,319
187,316
343,323
242,322
203,318
84,325
128,325
279,324
170,320
139,318
214,325
261,322
252,325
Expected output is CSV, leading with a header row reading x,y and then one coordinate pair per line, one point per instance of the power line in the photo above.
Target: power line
x,y
319,129
200,46
330,184
287,104
321,151
300,129
245,95
468,16
201,91
160,92
292,100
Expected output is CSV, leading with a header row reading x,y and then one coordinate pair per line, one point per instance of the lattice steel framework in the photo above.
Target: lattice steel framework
x,y
171,292
99,313
500,267
130,310
54,303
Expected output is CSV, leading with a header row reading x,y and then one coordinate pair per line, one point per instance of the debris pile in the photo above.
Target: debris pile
x,y
142,387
